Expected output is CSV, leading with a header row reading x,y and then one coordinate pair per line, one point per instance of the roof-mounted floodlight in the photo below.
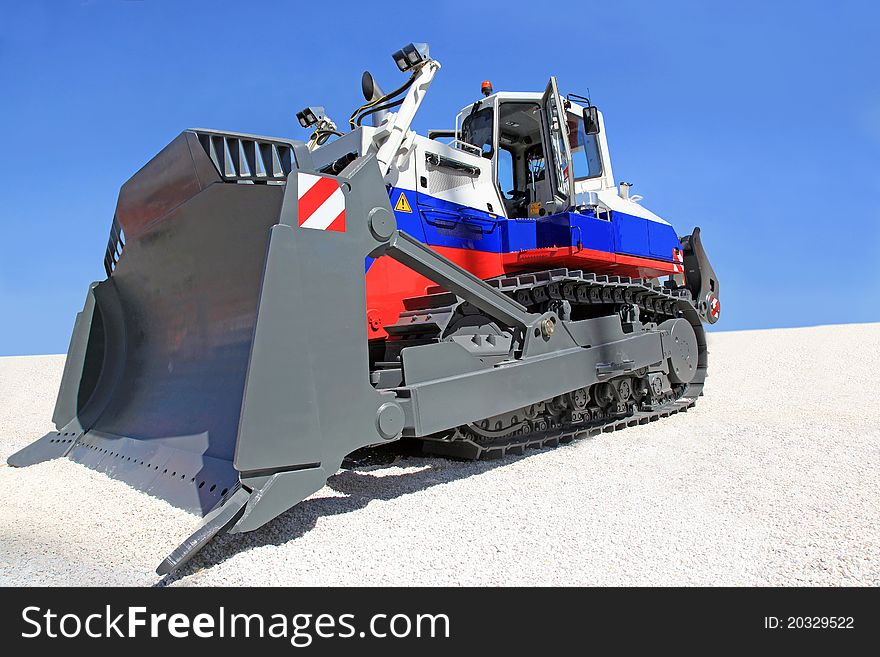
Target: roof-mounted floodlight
x,y
411,55
310,116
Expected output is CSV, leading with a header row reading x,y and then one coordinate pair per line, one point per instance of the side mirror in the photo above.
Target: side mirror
x,y
591,120
488,151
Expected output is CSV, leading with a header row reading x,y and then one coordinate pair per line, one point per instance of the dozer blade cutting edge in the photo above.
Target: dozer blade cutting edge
x,y
209,369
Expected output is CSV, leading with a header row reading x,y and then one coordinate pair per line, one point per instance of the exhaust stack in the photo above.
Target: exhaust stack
x,y
372,92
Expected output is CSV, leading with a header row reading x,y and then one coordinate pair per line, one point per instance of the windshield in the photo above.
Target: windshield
x,y
477,129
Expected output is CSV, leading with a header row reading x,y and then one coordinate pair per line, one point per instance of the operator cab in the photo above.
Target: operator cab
x,y
546,151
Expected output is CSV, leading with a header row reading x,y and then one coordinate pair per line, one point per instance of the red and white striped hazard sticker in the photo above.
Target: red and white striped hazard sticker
x,y
321,203
677,261
714,306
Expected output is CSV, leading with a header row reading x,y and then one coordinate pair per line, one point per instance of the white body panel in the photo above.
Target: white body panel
x,y
475,191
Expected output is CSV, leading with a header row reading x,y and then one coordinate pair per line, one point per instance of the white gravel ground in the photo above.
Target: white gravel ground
x,y
773,479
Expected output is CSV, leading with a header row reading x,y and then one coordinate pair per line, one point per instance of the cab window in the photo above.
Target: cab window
x,y
505,172
477,129
520,159
584,150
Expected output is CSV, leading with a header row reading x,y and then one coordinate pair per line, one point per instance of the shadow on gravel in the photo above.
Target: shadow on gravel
x,y
361,482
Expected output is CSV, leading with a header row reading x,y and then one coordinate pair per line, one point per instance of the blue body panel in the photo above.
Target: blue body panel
x,y
661,240
450,224
436,222
518,235
631,234
408,222
573,228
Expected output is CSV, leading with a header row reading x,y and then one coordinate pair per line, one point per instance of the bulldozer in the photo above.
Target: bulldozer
x,y
273,305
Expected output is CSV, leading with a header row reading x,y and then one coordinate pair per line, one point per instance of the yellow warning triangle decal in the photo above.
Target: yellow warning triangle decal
x,y
402,204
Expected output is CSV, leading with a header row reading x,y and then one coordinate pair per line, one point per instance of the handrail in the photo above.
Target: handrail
x,y
442,161
460,145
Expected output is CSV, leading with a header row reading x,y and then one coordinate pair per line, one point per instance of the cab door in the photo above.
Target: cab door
x,y
557,147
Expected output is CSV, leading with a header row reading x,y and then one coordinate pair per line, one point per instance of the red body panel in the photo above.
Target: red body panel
x,y
389,282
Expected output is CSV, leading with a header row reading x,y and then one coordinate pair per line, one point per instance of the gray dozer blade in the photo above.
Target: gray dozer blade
x,y
222,365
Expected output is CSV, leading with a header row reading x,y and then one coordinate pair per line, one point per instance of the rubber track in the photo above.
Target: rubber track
x,y
578,287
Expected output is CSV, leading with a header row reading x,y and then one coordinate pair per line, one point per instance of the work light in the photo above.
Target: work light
x,y
411,55
310,116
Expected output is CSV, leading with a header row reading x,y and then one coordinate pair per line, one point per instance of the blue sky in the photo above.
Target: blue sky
x,y
758,121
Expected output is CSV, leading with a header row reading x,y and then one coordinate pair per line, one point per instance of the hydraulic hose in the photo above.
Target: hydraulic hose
x,y
373,110
382,99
